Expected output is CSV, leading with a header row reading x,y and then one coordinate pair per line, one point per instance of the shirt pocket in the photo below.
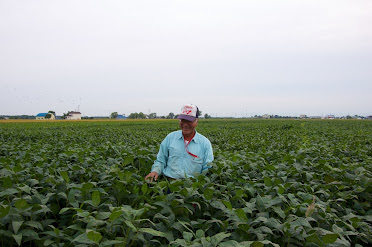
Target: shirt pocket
x,y
174,153
196,166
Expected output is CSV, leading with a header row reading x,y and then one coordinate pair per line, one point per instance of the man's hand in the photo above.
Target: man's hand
x,y
151,176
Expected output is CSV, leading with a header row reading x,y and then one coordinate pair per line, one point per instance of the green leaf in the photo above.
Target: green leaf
x,y
21,204
65,176
25,189
267,181
314,239
301,222
48,242
337,229
227,204
274,224
208,193
16,225
231,243
187,236
103,215
330,238
29,234
218,204
83,239
267,242
279,211
94,236
34,224
152,232
128,176
273,201
130,224
144,188
4,210
257,244
241,214
18,168
200,233
239,193
184,224
260,204
206,242
86,187
329,179
64,210
216,239
7,182
8,192
115,215
179,242
71,198
18,239
244,227
96,198
55,230
110,243
128,160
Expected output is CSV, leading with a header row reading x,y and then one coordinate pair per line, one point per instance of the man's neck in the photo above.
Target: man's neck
x,y
189,137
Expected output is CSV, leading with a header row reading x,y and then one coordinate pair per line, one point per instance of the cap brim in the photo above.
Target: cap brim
x,y
186,117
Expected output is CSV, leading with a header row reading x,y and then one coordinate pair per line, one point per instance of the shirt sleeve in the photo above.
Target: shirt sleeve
x,y
162,158
208,156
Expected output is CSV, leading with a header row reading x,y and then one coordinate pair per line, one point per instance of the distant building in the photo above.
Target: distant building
x,y
303,116
330,117
73,115
266,116
121,117
369,117
41,116
315,117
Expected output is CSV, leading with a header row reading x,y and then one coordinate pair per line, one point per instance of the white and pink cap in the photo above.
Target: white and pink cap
x,y
189,112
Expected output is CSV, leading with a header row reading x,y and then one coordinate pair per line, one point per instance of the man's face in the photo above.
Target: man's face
x,y
188,127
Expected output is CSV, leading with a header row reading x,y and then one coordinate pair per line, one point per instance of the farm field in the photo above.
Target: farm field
x,y
273,183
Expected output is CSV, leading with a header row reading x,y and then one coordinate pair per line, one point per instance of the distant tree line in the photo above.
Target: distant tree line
x,y
272,116
17,117
153,115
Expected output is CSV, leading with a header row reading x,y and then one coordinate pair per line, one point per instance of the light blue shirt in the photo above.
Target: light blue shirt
x,y
174,161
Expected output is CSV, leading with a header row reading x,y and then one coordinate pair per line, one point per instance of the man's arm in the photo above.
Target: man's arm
x,y
208,156
162,158
160,162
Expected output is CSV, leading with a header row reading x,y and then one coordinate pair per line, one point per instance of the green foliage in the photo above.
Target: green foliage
x,y
273,183
152,115
170,115
140,115
206,116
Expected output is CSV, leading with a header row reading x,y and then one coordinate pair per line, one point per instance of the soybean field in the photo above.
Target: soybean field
x,y
272,183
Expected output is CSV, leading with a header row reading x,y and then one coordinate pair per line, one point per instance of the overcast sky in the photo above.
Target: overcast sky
x,y
231,58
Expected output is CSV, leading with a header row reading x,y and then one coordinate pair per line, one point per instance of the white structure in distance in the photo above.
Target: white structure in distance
x,y
73,115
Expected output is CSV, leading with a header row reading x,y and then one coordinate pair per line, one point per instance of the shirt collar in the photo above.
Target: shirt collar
x,y
195,139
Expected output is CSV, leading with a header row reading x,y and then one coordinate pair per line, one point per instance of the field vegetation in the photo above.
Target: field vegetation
x,y
273,183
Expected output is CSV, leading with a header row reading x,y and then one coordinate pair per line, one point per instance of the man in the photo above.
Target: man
x,y
183,153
